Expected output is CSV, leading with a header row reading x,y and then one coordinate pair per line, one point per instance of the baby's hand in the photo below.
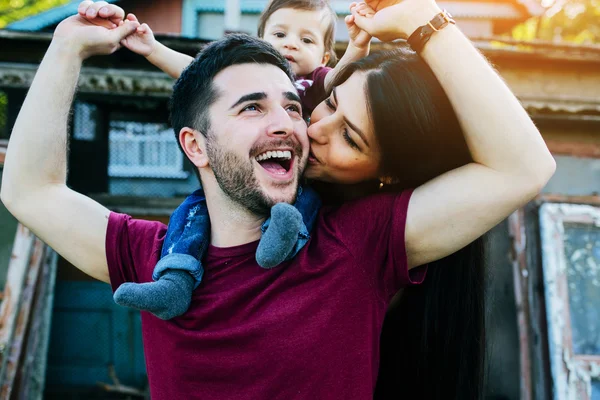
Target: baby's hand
x,y
357,37
141,41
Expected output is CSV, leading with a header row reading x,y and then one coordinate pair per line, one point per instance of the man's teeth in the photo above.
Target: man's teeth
x,y
285,155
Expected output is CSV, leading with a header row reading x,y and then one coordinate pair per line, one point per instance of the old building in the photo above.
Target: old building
x,y
542,261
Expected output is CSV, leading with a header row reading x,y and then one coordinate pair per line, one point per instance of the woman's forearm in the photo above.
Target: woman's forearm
x,y
497,129
169,61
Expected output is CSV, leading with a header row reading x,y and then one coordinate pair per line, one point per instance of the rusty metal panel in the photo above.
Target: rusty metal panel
x,y
14,349
25,315
17,272
30,381
572,371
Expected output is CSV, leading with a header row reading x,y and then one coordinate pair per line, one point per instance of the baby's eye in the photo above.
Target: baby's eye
x,y
307,40
280,35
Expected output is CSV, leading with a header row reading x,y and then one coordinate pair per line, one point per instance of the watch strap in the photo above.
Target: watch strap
x,y
421,36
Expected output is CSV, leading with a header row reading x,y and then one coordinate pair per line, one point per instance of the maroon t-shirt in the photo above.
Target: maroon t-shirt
x,y
311,89
308,329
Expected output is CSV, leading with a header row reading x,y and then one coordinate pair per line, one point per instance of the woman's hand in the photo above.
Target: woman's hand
x,y
389,20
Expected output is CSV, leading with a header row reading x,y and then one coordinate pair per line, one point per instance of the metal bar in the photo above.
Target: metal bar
x,y
590,150
561,198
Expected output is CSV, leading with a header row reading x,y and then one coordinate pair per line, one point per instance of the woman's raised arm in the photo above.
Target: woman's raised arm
x,y
511,161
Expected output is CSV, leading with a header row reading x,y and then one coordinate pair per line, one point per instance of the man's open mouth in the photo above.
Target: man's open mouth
x,y
277,163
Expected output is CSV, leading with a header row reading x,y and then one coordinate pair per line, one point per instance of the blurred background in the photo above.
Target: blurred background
x,y
61,335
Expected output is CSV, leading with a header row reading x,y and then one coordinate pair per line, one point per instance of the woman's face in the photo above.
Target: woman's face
x,y
342,141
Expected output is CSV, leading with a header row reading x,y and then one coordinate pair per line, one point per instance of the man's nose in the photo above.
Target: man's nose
x,y
280,123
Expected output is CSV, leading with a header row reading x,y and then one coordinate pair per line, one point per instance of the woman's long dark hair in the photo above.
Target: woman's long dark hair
x,y
433,338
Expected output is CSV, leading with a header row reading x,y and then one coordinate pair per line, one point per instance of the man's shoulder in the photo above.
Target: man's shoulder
x,y
133,248
138,233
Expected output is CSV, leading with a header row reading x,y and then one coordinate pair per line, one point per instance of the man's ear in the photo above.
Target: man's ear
x,y
194,146
326,58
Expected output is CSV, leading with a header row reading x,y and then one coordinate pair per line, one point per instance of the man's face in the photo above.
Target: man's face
x,y
257,145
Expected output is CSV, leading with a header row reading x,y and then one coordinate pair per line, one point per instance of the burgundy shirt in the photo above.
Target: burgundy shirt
x,y
308,329
311,89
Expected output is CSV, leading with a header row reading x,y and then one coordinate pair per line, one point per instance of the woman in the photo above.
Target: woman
x,y
444,317
434,334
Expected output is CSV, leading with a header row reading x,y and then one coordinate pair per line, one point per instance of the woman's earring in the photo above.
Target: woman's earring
x,y
387,180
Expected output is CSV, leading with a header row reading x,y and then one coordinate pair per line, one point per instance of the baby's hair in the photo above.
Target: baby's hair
x,y
307,5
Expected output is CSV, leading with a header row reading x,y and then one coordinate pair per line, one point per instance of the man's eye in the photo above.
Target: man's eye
x,y
295,108
307,40
250,107
280,35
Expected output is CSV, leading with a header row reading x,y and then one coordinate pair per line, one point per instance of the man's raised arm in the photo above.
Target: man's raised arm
x,y
34,186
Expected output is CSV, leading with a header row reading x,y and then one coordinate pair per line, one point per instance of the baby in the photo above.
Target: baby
x,y
303,32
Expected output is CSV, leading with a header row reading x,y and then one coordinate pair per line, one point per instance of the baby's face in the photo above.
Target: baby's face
x,y
299,36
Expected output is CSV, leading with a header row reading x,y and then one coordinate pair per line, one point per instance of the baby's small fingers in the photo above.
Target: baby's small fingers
x,y
132,17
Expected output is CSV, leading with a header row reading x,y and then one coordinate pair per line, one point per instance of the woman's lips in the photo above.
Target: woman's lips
x,y
312,159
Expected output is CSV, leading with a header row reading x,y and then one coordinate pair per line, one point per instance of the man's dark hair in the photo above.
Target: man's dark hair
x,y
305,5
194,91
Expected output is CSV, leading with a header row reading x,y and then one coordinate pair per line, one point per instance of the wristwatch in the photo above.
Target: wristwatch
x,y
421,36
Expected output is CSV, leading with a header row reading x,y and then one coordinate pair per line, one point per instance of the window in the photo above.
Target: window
x,y
84,121
570,244
144,150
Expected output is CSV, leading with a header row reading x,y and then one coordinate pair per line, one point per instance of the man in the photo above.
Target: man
x,y
303,331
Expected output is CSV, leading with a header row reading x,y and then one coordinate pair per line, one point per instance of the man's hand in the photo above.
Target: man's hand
x,y
101,13
87,36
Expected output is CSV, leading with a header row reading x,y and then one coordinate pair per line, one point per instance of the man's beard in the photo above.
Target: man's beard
x,y
235,175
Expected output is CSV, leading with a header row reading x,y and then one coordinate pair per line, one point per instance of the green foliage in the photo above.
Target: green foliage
x,y
576,21
15,10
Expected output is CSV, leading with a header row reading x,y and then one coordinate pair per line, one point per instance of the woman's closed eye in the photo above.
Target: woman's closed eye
x,y
345,132
348,139
329,104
